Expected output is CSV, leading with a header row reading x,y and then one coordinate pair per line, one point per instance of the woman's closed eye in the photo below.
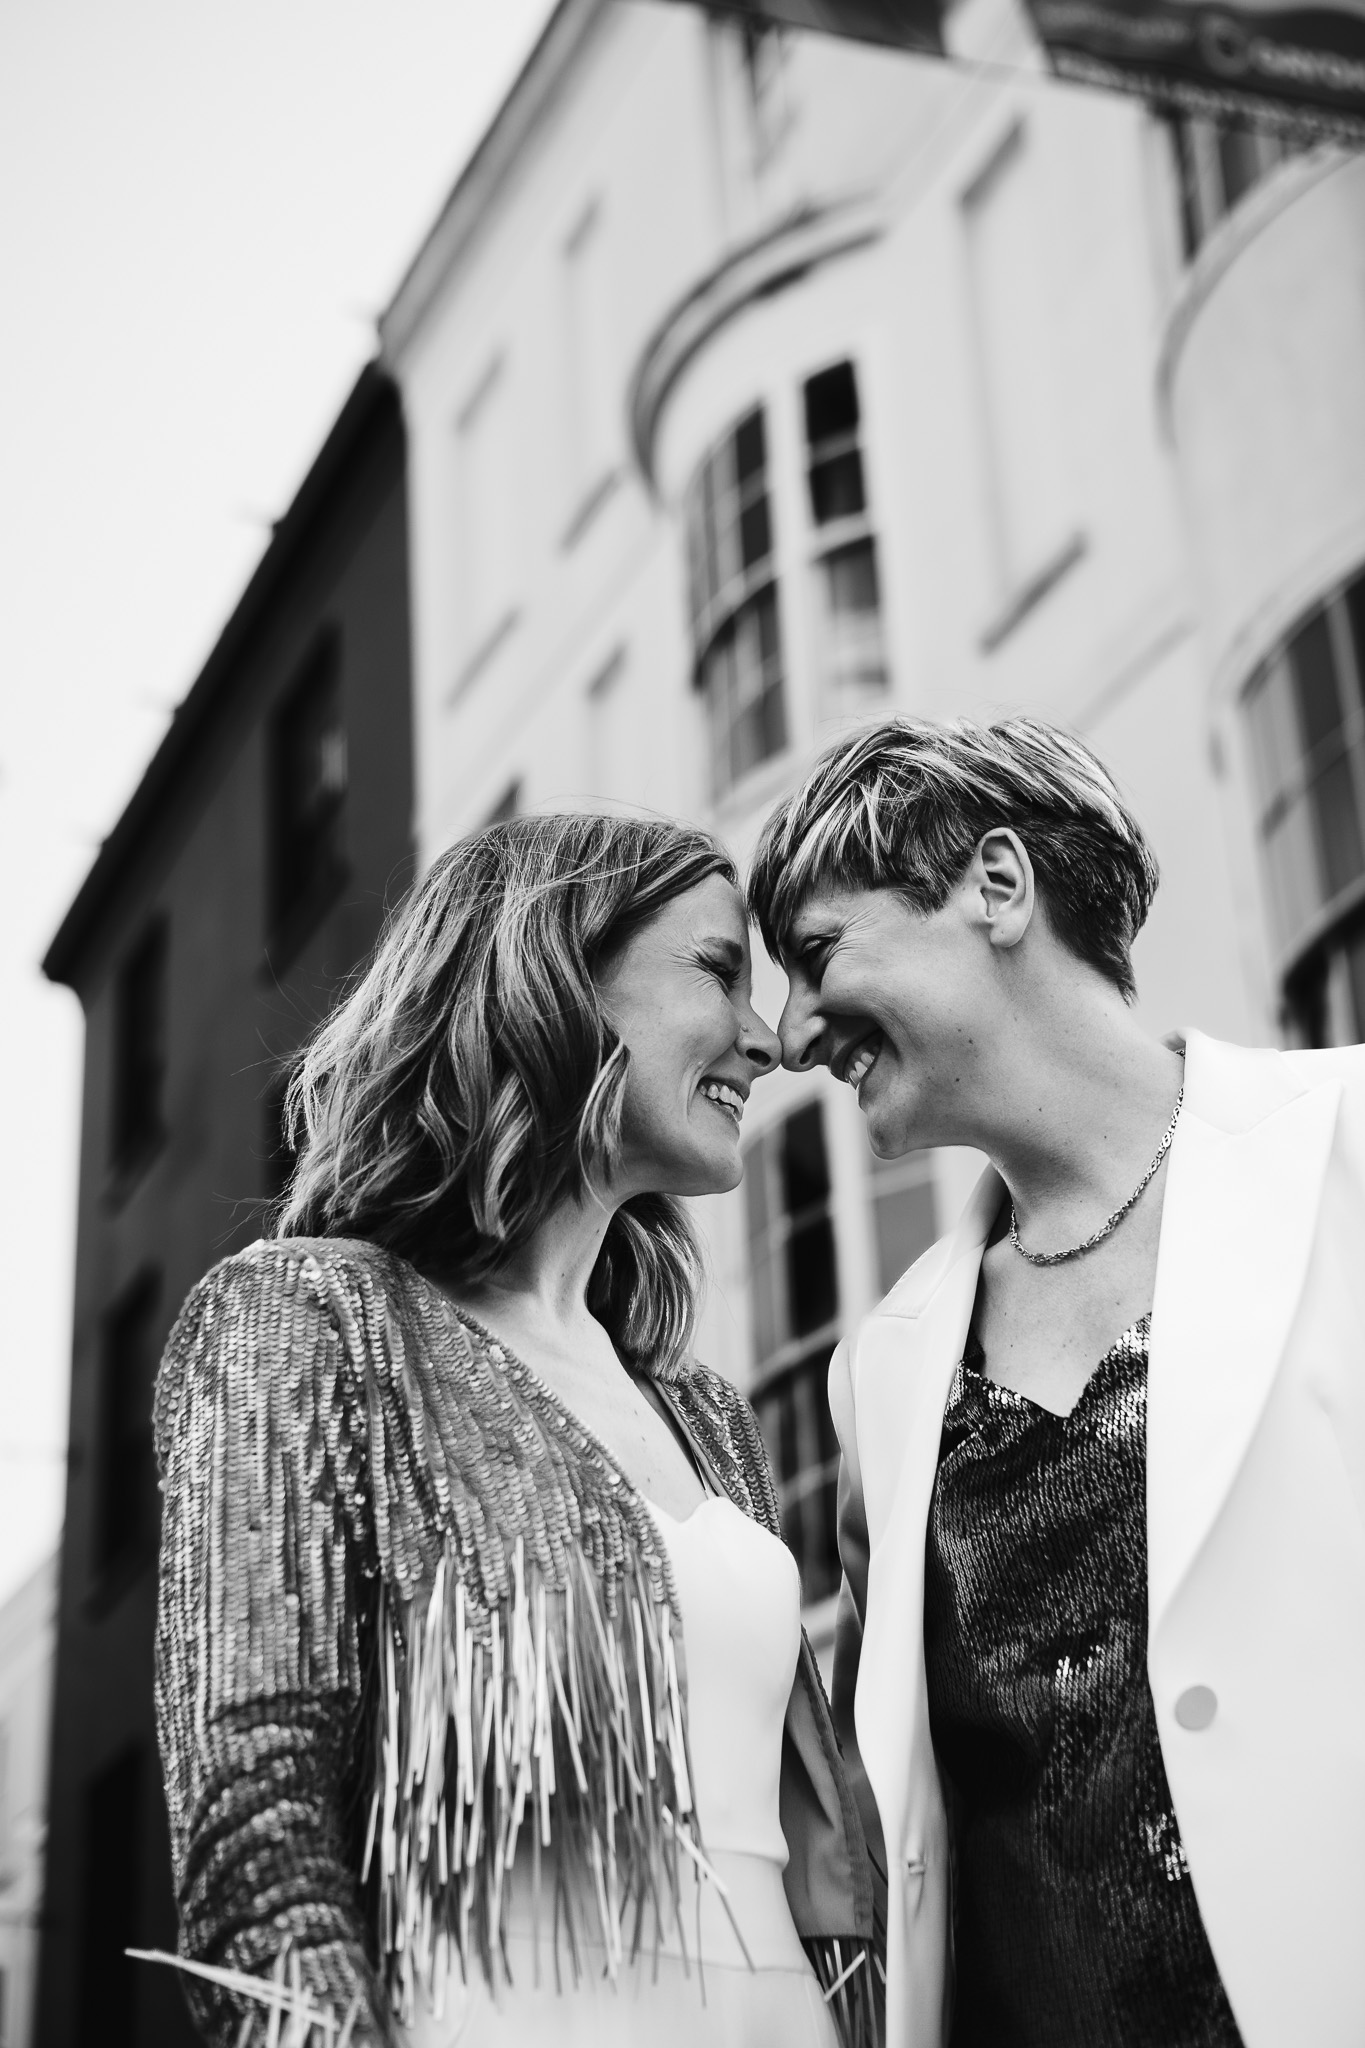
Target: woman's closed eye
x,y
728,969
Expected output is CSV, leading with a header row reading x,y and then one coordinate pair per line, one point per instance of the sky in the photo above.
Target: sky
x,y
203,210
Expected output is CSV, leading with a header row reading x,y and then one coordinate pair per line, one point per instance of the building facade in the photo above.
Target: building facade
x,y
245,880
28,1633
758,383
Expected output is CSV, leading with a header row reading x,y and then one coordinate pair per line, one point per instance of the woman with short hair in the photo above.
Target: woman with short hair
x,y
484,1703
1102,1633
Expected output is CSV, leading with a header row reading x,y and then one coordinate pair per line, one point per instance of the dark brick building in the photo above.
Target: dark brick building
x,y
244,881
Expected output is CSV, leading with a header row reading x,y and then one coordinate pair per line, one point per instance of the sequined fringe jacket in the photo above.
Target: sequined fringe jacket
x,y
411,1614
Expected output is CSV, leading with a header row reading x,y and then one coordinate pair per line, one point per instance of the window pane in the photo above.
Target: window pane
x,y
831,404
756,1188
1355,970
833,458
308,791
1355,612
1274,730
853,652
1334,805
750,447
1315,682
811,1286
140,1006
774,720
804,1450
836,487
805,1168
1294,871
755,534
738,656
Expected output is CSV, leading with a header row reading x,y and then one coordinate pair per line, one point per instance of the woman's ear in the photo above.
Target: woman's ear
x,y
1002,886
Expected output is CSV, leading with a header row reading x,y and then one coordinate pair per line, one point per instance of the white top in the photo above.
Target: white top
x,y
740,1595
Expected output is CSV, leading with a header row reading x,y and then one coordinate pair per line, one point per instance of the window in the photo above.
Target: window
x,y
794,1296
735,631
1306,710
589,356
1216,165
1015,336
903,1214
140,992
125,1467
487,567
111,1915
308,776
852,653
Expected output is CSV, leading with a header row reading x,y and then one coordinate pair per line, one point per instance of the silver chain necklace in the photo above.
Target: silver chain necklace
x,y
1106,1229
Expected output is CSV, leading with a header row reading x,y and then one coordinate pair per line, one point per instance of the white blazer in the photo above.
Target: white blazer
x,y
1255,1545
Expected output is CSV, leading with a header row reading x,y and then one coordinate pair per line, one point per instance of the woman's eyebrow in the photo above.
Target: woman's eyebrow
x,y
730,950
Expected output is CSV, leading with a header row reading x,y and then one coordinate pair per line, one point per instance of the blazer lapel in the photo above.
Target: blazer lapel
x,y
906,1353
1244,1184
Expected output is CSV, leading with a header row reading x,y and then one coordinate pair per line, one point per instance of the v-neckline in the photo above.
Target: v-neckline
x,y
1013,1397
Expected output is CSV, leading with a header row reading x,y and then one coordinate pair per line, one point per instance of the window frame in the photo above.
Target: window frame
x,y
725,604
828,539
140,1060
294,908
799,1360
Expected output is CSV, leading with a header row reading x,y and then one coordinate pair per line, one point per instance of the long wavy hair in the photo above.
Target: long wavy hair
x,y
471,1081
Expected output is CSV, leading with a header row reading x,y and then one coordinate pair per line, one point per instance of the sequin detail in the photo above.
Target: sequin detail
x,y
413,1622
1075,1914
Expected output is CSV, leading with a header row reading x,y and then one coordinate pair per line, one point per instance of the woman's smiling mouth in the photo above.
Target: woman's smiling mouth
x,y
725,1097
862,1059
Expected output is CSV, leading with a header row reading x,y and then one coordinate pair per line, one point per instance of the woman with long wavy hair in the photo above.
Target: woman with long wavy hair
x,y
485,1709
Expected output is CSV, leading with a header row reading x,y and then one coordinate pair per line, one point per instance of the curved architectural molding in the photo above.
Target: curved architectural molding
x,y
1216,256
1263,388
801,243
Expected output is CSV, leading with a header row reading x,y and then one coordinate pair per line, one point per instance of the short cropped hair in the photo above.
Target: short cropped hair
x,y
904,805
471,1080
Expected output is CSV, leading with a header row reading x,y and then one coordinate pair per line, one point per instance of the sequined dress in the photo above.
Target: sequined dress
x,y
1076,1922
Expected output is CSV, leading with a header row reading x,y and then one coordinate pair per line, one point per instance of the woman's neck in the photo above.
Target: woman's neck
x,y
1083,1112
541,1291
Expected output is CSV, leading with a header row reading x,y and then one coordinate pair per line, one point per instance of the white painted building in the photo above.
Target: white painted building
x,y
28,1632
758,383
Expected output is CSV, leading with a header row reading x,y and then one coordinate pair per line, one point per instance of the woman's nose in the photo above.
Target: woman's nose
x,y
800,1030
760,1046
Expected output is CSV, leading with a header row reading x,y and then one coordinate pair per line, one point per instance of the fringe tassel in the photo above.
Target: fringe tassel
x,y
852,1980
282,1993
546,1715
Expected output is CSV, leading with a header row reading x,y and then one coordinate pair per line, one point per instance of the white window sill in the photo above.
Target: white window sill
x,y
1030,593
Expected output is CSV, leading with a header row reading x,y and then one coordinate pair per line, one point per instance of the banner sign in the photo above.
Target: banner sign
x,y
1282,65
905,24
1300,66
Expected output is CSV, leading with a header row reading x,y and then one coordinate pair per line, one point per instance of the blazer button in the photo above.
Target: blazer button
x,y
1196,1707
